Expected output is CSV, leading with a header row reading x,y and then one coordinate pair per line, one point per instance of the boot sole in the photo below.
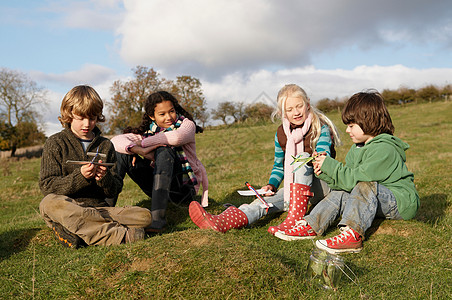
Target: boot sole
x,y
285,237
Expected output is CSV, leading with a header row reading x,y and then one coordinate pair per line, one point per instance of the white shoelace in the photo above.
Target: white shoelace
x,y
300,223
345,232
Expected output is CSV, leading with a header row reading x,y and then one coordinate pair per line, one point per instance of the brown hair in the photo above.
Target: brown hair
x,y
83,101
368,110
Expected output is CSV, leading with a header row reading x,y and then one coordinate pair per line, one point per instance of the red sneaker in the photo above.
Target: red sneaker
x,y
301,230
349,241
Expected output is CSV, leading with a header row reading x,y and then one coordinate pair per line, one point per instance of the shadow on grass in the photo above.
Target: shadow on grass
x,y
177,213
433,208
15,241
349,277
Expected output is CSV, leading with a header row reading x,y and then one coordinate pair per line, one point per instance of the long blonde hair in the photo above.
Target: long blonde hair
x,y
318,118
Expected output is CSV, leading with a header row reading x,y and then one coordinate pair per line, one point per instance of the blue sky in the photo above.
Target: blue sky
x,y
238,49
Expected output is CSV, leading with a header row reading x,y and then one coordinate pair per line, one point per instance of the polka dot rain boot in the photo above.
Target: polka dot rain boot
x,y
299,197
231,218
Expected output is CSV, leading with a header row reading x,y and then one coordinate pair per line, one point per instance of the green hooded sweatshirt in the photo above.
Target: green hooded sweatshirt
x,y
382,159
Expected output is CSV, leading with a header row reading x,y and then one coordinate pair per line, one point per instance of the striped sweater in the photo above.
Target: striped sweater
x,y
324,144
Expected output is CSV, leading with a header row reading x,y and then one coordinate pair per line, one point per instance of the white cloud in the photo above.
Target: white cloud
x,y
215,37
321,83
87,14
99,77
250,87
88,74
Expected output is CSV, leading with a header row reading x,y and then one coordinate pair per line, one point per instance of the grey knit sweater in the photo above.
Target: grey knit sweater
x,y
58,177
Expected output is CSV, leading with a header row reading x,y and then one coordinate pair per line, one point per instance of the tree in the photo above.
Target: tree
x,y
239,112
327,105
20,100
391,96
407,95
446,92
224,110
429,93
258,111
188,91
128,98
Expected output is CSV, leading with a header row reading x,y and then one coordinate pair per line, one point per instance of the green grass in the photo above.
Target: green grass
x,y
401,259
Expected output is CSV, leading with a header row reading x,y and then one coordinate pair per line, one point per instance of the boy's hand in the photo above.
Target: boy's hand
x,y
318,162
88,171
100,171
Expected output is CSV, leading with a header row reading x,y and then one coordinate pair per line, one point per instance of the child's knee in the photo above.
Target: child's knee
x,y
144,217
366,187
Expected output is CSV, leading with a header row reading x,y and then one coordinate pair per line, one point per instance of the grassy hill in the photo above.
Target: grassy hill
x,y
401,259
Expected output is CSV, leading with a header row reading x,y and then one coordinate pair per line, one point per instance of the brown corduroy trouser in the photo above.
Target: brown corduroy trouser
x,y
95,225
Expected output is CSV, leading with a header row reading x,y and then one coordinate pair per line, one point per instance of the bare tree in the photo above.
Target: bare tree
x,y
20,103
224,110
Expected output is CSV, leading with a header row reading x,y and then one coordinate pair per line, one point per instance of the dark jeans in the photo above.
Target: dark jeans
x,y
162,181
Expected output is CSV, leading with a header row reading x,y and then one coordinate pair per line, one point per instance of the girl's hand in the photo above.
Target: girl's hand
x,y
147,152
269,190
318,162
88,171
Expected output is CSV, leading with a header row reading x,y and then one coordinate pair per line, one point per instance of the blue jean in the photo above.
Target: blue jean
x,y
358,208
254,211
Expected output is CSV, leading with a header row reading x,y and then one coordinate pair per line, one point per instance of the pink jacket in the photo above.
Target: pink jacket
x,y
184,136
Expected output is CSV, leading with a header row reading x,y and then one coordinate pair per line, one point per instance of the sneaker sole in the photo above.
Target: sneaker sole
x,y
285,237
69,242
336,251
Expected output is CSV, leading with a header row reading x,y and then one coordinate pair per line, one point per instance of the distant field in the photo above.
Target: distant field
x,y
400,260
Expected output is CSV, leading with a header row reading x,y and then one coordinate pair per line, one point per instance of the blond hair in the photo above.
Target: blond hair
x,y
318,118
83,101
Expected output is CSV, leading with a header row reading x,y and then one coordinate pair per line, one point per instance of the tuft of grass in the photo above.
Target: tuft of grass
x,y
400,259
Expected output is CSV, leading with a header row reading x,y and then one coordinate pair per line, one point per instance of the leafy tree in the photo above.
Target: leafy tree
x,y
258,111
327,105
20,103
391,96
128,98
446,92
407,95
127,103
188,91
429,93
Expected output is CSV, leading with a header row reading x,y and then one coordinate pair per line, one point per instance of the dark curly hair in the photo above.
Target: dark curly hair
x,y
149,108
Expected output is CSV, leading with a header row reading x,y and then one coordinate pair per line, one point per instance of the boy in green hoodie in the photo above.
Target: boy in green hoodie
x,y
373,182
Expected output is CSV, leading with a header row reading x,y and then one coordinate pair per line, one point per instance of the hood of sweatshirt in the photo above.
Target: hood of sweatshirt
x,y
397,143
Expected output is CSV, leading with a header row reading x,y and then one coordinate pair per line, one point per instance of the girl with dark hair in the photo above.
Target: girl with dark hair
x,y
160,156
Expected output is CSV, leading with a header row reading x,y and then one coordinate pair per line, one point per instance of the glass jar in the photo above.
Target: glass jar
x,y
324,269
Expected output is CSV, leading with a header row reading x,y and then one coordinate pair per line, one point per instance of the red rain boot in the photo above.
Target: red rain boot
x,y
232,217
299,197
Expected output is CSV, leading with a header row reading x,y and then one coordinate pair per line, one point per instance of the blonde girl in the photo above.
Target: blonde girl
x,y
304,132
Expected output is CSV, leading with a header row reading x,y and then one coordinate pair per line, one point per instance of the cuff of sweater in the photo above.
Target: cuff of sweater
x,y
328,166
273,188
